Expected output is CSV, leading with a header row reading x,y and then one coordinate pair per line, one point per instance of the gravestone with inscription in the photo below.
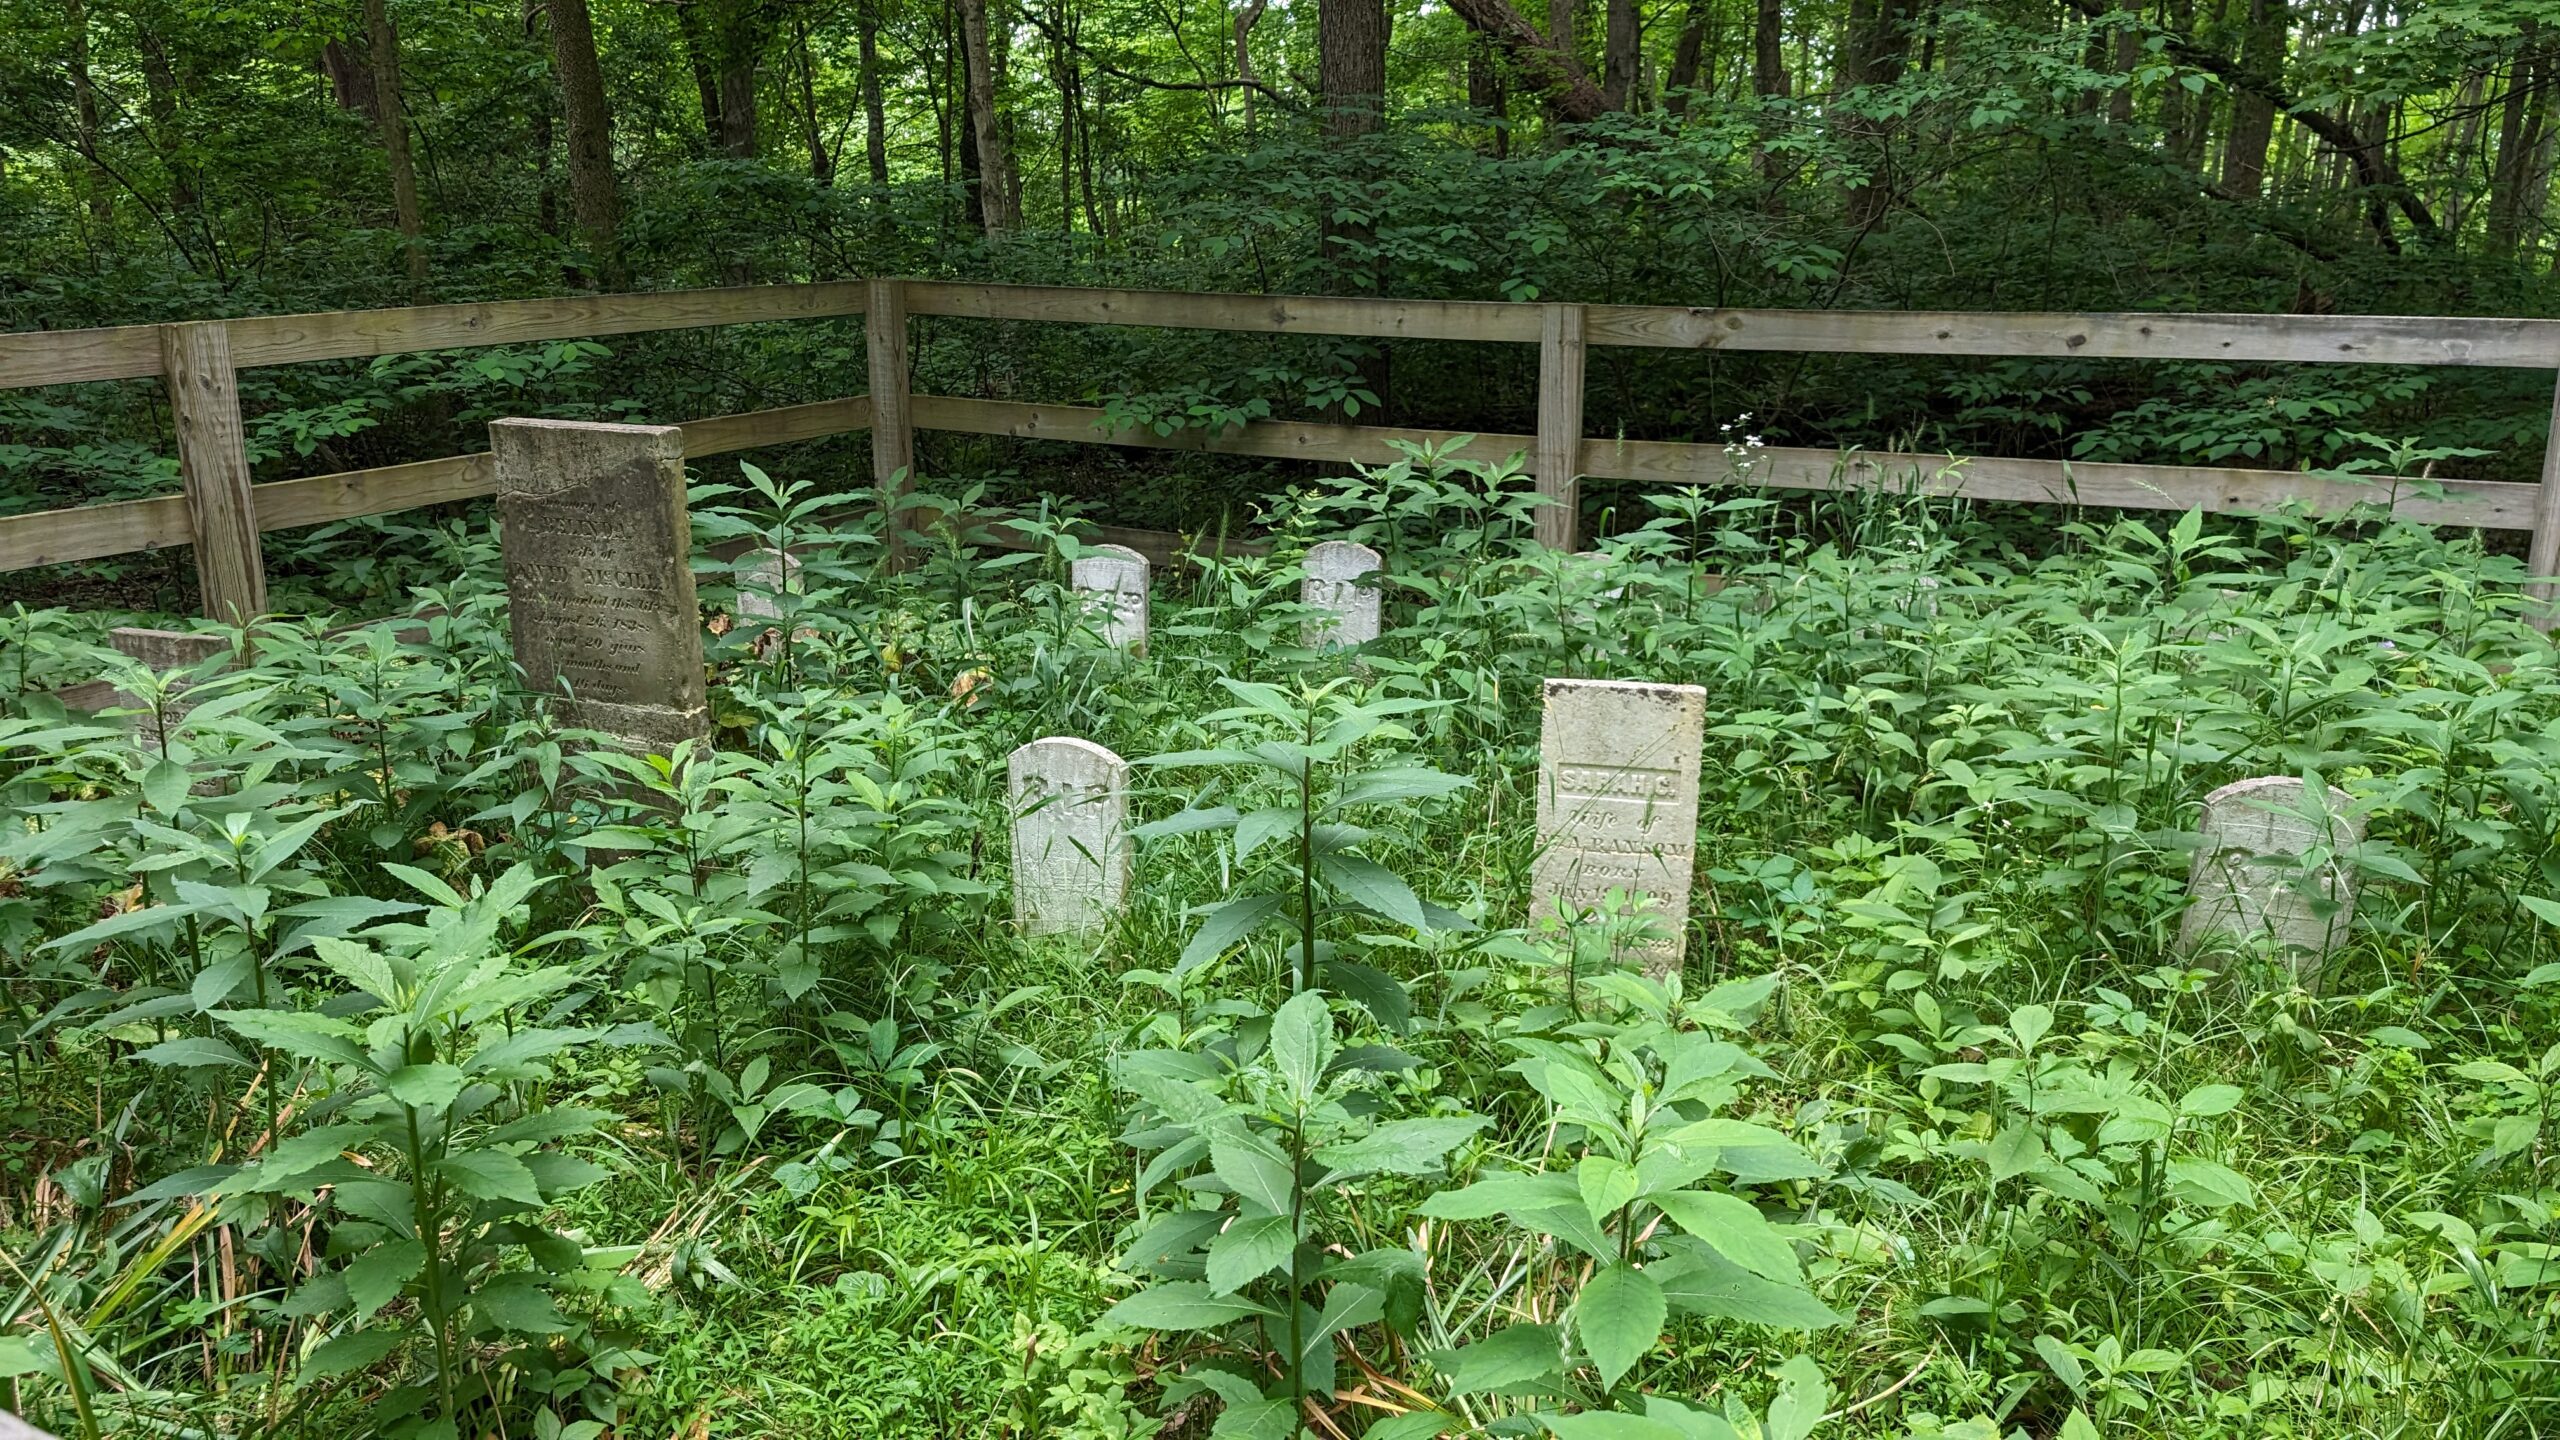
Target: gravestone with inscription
x,y
1342,585
1618,804
763,576
1111,584
2256,880
599,584
1070,801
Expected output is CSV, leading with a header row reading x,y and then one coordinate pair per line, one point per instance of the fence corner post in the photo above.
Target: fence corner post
x,y
213,460
893,433
1559,461
2542,551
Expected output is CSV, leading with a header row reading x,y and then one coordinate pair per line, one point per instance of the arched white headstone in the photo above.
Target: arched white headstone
x,y
1111,583
2249,882
1341,581
1070,801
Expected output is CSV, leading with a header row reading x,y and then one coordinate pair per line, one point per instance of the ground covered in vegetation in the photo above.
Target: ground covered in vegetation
x,y
383,1060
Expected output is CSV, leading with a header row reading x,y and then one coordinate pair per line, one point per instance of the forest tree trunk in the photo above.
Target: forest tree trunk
x,y
593,199
998,209
2253,115
385,44
1622,55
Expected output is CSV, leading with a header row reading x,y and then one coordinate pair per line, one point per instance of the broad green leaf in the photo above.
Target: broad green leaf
x,y
301,1033
165,786
2207,1100
1737,1229
2030,1023
1254,1168
296,1156
1699,1281
1399,1147
375,1278
1375,888
424,1087
514,1302
2064,1365
2015,1151
1613,1425
1302,1043
1182,1305
190,1050
1346,1307
490,1175
1223,925
1619,1316
1249,1249
1802,1397
1510,1361
1606,1185
2205,1183
349,1352
214,984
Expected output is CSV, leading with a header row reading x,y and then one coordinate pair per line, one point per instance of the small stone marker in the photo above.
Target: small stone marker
x,y
1618,802
599,588
1111,581
763,577
161,651
1070,844
1342,581
2248,880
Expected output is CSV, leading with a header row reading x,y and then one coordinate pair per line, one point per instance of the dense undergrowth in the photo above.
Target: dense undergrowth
x,y
384,1061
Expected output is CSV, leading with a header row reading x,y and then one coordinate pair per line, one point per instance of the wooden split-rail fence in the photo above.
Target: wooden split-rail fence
x,y
222,514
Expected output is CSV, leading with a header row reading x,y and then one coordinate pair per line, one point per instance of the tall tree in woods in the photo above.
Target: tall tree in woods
x,y
391,113
1622,54
1548,67
594,198
999,208
1351,75
2253,110
1872,54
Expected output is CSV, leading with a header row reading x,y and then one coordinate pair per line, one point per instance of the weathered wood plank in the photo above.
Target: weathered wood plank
x,y
2489,504
383,490
2353,339
1270,439
93,532
341,334
71,357
1267,314
1561,356
213,460
722,434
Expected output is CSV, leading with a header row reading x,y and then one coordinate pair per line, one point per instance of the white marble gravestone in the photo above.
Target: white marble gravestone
x,y
1111,584
2249,882
598,552
763,576
1070,801
1618,803
162,651
1342,583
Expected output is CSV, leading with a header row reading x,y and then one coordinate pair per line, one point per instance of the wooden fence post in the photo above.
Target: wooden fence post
x,y
893,431
1559,465
2542,552
213,459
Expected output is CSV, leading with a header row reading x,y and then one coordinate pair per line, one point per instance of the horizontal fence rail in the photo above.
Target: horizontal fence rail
x,y
221,514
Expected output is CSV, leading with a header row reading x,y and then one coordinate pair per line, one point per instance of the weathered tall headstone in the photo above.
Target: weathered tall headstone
x,y
1341,582
1618,803
763,577
1111,583
2250,881
1070,801
599,584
